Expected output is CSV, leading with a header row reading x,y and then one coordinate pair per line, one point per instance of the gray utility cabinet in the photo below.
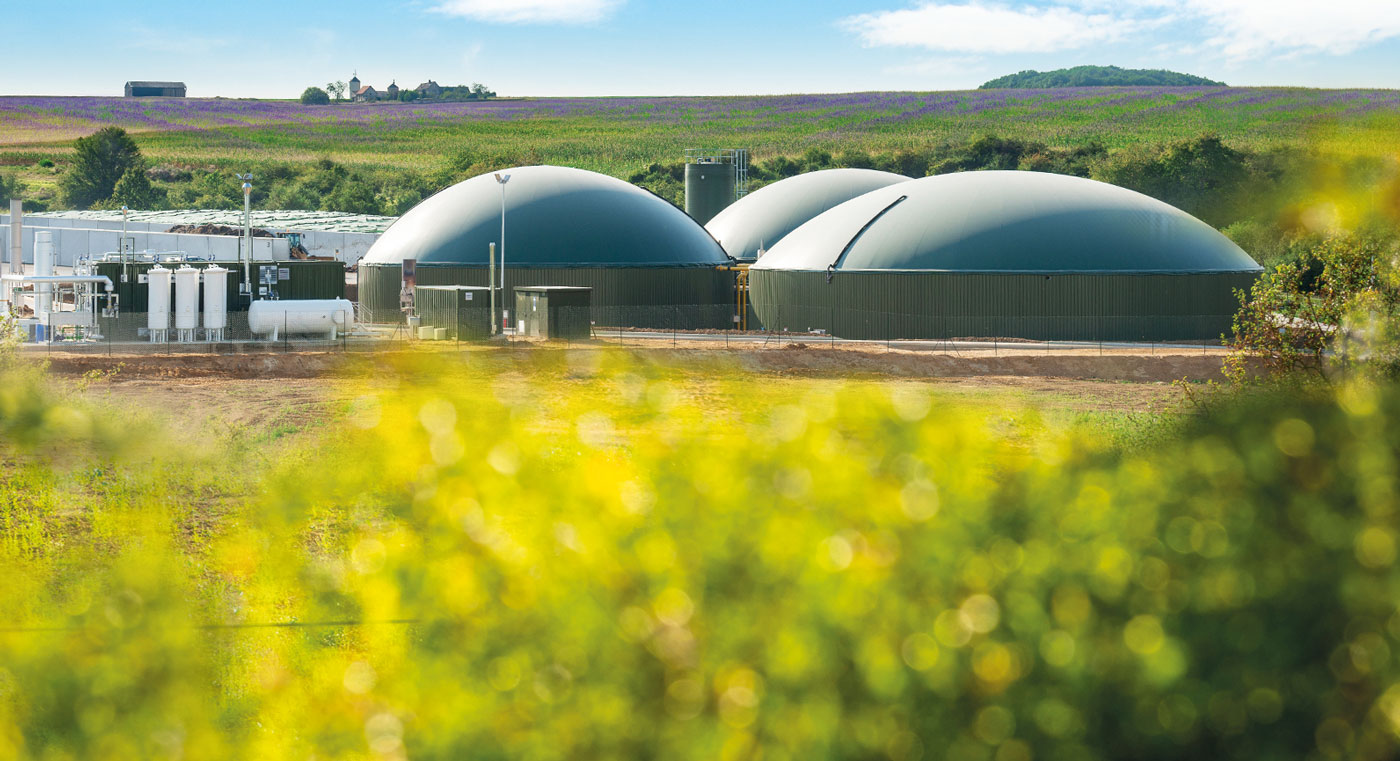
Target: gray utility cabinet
x,y
553,311
465,310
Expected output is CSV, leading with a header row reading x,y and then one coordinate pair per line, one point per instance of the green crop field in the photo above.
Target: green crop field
x,y
621,135
1260,158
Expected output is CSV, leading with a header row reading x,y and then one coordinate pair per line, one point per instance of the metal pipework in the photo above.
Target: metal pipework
x,y
741,292
106,281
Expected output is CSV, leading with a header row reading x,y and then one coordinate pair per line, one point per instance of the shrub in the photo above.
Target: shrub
x,y
99,161
134,191
314,96
10,187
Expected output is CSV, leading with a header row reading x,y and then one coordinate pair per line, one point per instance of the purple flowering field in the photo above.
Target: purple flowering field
x,y
608,133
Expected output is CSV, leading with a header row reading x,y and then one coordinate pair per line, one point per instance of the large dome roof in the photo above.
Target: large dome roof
x,y
1007,221
761,218
555,217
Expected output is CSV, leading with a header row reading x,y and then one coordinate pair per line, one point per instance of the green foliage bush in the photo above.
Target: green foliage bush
x,y
315,96
99,162
861,573
1336,307
134,190
10,187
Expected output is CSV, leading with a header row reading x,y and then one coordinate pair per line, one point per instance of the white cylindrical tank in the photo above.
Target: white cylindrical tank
x,y
43,266
215,303
158,303
275,318
186,303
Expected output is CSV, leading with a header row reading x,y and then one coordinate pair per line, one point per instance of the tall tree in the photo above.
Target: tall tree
x,y
100,160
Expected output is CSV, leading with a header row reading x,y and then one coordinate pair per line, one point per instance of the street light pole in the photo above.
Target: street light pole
x,y
502,179
247,233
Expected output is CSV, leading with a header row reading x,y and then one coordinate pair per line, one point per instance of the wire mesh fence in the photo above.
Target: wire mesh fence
x,y
696,326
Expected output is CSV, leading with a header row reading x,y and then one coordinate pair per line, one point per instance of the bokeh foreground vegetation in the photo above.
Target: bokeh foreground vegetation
x,y
479,564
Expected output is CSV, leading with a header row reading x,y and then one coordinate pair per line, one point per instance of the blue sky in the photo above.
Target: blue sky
x,y
261,48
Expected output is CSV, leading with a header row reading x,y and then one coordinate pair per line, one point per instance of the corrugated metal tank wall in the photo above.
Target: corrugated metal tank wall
x,y
1088,307
644,297
709,188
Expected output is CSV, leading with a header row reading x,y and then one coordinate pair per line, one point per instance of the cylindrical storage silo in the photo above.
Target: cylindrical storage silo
x,y
215,303
186,303
709,187
43,267
158,303
287,317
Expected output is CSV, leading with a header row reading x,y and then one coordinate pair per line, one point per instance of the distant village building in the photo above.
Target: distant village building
x,y
367,93
155,89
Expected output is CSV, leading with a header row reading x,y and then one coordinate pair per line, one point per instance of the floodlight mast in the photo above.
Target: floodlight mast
x,y
247,233
502,179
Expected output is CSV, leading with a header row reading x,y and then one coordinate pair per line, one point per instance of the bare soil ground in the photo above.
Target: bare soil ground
x,y
1160,364
267,393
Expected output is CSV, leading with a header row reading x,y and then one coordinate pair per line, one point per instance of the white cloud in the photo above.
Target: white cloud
x,y
977,27
530,11
1237,29
1245,29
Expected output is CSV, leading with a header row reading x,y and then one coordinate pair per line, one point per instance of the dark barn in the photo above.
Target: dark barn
x,y
155,89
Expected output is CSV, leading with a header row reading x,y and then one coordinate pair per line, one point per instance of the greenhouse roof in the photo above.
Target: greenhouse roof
x,y
319,221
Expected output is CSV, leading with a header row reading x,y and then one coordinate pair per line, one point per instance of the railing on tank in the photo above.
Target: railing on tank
x,y
739,157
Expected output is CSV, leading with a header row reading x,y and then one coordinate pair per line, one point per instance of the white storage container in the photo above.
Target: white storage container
x,y
301,317
186,303
215,303
158,304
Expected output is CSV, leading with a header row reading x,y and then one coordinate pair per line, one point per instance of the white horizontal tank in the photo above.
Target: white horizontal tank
x,y
215,303
158,303
186,303
289,317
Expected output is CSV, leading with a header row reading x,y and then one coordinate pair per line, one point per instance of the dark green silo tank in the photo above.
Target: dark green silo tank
x,y
709,188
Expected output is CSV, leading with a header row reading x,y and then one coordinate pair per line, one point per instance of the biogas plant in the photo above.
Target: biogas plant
x,y
545,252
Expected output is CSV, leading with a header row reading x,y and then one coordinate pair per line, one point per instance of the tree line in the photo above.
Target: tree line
x,y
337,92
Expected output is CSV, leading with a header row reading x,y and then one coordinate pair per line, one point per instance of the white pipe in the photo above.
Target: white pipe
x,y
106,281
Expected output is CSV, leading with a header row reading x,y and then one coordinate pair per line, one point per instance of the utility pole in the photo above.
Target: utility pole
x,y
247,261
503,179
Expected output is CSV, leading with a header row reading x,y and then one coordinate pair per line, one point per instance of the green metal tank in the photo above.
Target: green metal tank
x,y
709,188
